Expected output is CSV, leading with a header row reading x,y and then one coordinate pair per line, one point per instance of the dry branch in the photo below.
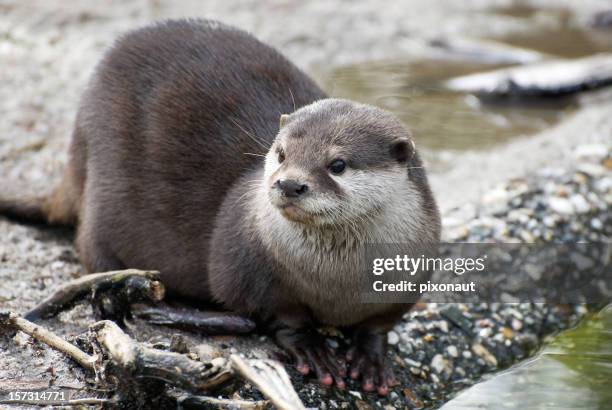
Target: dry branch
x,y
205,402
49,338
140,361
484,51
145,284
545,78
208,322
271,379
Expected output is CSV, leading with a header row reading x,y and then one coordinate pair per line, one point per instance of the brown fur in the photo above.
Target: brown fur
x,y
162,158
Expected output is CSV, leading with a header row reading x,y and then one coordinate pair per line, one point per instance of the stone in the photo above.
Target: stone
x,y
455,316
561,205
591,151
593,170
452,351
596,224
483,353
580,204
393,338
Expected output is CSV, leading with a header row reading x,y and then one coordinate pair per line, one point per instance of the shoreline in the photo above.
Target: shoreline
x,y
50,50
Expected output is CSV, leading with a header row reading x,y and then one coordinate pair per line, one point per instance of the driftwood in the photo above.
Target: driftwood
x,y
208,322
134,361
271,379
547,78
140,361
49,338
484,51
205,402
133,285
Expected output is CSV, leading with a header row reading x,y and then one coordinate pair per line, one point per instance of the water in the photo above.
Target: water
x,y
438,118
563,39
444,120
573,371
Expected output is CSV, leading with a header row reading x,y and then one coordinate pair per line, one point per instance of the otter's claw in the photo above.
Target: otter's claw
x,y
368,360
312,353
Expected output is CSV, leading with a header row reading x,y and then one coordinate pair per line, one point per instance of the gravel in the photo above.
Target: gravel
x,y
552,186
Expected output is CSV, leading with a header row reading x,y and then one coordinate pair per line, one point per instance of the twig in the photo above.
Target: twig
x,y
209,322
205,402
49,338
144,282
271,379
140,361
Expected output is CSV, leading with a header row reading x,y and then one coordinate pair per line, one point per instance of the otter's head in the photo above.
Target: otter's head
x,y
336,161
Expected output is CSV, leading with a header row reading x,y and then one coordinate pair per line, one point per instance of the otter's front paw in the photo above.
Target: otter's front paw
x,y
311,352
368,360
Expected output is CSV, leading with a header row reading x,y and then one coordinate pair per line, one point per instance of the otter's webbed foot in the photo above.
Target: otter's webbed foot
x,y
312,353
367,359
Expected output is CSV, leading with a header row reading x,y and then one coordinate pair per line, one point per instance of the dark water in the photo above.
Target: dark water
x,y
573,371
440,119
563,39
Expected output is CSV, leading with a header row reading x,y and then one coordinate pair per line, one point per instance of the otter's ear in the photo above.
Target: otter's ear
x,y
402,149
284,119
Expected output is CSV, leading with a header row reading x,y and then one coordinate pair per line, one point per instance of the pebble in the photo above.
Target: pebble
x,y
333,343
591,151
507,333
596,224
411,362
534,271
593,170
580,204
452,351
561,205
455,316
356,394
439,364
482,352
393,338
486,332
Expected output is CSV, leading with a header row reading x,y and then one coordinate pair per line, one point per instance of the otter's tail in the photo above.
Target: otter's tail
x,y
60,208
30,210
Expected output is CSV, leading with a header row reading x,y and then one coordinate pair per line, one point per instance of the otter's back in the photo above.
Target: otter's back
x,y
170,121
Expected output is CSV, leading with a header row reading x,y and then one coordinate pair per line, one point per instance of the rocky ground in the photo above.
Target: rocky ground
x,y
48,50
437,350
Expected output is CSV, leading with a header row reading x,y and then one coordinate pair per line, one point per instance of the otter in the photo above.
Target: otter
x,y
200,152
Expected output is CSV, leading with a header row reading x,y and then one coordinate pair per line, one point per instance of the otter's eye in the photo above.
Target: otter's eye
x,y
281,155
337,166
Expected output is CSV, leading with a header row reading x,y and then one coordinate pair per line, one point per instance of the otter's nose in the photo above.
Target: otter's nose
x,y
291,188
